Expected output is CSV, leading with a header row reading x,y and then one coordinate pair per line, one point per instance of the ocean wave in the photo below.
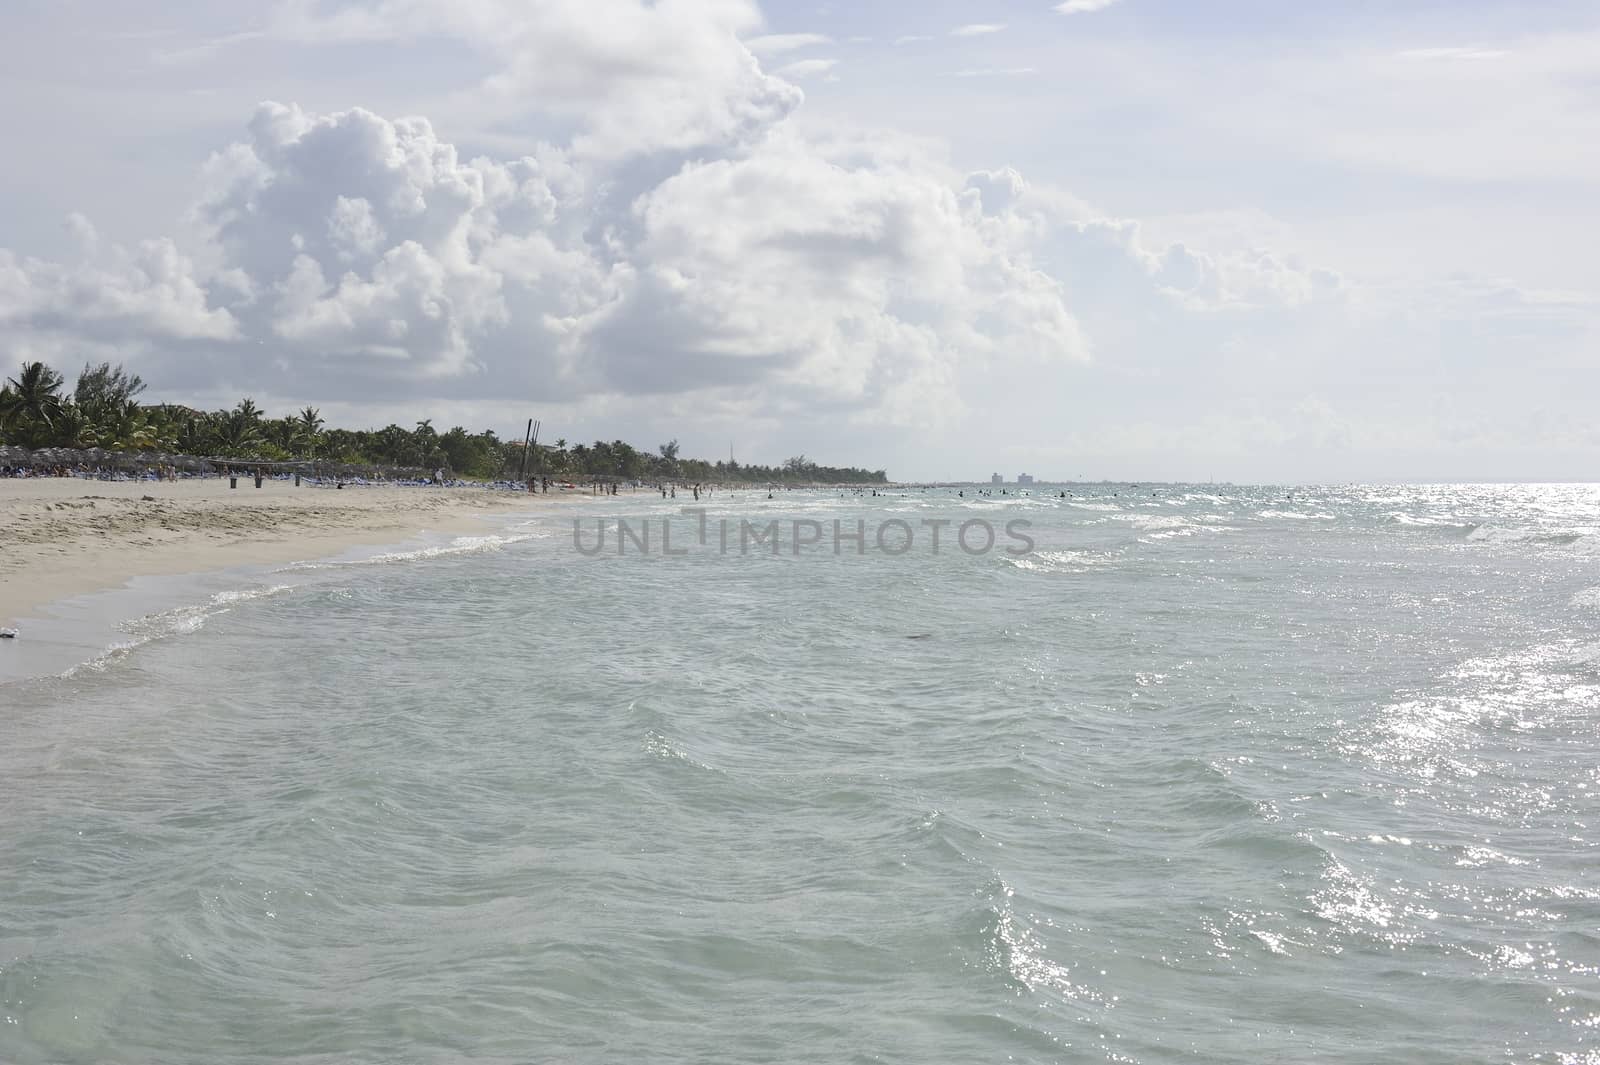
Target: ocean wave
x,y
1353,902
1242,930
1014,951
1501,534
1296,515
1586,656
461,545
1474,856
1400,517
1066,560
1157,521
658,746
1448,730
1587,599
1160,529
1170,534
179,621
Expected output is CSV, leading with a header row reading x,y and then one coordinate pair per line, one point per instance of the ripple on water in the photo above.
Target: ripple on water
x,y
1279,785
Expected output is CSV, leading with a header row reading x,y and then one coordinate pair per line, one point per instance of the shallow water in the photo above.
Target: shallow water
x,y
1212,774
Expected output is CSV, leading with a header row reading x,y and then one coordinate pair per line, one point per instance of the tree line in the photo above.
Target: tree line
x,y
103,411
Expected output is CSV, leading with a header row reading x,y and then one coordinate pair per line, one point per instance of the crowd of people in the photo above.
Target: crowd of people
x,y
96,473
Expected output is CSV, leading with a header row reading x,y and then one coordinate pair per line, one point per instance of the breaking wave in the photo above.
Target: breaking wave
x,y
461,545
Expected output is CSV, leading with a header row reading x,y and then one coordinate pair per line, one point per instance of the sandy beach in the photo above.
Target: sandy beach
x,y
64,537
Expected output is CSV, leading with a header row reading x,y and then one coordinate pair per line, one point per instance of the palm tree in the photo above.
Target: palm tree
x,y
128,428
393,445
308,429
31,403
239,434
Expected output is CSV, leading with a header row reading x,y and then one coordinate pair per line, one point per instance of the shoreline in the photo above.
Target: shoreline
x,y
62,539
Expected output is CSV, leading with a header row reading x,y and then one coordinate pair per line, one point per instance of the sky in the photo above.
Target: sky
x,y
1242,240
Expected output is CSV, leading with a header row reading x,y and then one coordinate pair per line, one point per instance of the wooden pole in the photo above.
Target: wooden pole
x,y
523,469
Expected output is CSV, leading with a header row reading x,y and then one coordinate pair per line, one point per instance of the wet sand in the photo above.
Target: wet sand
x,y
66,537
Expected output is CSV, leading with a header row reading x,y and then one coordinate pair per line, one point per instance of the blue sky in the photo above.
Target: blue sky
x,y
1250,240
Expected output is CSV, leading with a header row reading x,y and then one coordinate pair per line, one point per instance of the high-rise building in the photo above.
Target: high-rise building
x,y
1024,478
997,479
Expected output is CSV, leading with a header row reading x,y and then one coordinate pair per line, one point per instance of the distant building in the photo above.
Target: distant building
x,y
997,479
1023,478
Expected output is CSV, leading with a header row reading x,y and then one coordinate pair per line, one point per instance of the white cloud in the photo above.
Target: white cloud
x,y
913,38
977,29
1084,7
1452,53
778,43
860,278
205,49
340,247
995,72
1429,113
147,294
637,76
852,280
807,68
680,243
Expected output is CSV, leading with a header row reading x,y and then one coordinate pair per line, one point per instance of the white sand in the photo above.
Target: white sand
x,y
64,537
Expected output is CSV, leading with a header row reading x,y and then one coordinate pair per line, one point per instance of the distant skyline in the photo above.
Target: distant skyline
x,y
1115,239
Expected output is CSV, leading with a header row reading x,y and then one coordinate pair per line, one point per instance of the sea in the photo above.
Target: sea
x,y
1163,773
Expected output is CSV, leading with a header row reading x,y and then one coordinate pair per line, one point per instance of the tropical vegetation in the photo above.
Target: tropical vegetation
x,y
104,411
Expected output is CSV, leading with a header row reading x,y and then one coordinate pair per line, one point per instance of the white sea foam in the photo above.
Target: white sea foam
x,y
1157,521
461,545
1272,941
1400,517
1295,515
1158,527
179,621
1069,560
1502,534
1587,599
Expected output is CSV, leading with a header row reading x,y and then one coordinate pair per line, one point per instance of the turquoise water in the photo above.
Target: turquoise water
x,y
1211,775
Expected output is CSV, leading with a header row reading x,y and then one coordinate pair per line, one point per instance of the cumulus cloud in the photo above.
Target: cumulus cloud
x,y
148,292
852,280
349,250
350,247
706,245
638,76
